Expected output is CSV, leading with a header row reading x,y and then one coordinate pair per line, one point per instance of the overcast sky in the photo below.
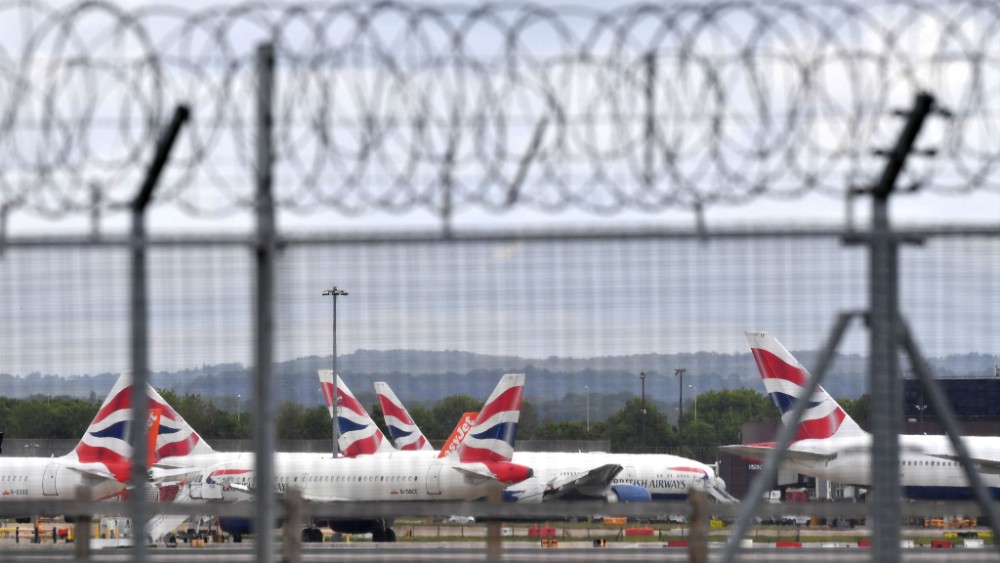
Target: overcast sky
x,y
65,311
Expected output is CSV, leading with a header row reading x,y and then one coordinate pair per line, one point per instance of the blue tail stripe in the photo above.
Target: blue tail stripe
x,y
786,402
167,430
505,431
398,433
347,425
117,430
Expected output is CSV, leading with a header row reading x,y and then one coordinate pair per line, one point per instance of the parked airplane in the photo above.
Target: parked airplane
x,y
582,475
481,464
102,458
829,444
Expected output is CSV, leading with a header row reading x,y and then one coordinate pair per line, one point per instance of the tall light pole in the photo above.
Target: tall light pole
x,y
679,372
335,292
921,407
239,399
642,378
695,402
587,389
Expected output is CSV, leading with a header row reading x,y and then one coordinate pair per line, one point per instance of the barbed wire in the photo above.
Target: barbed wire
x,y
395,106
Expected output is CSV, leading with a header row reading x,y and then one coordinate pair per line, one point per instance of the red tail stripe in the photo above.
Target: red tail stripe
x,y
773,367
123,400
468,454
328,393
509,400
351,403
179,448
364,446
117,464
820,428
415,445
392,409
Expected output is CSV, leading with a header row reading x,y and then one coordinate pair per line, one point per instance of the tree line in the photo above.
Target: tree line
x,y
712,419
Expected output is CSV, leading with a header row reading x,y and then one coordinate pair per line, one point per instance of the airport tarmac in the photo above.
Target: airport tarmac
x,y
475,551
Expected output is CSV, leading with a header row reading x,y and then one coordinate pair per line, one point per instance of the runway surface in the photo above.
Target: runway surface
x,y
475,551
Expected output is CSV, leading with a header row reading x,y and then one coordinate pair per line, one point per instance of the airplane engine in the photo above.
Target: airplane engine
x,y
236,526
509,473
381,530
629,493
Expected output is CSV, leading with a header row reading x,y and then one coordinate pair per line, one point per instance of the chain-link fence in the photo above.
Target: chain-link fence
x,y
629,338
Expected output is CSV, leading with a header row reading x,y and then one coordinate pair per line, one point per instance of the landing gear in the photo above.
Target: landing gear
x,y
312,535
383,533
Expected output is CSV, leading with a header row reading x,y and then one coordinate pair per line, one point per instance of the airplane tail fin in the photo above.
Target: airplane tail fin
x,y
359,435
175,437
458,434
402,429
106,440
492,436
785,378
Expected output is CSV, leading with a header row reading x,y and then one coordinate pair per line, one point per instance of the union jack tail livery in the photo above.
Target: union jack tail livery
x,y
785,378
175,436
106,441
492,436
359,435
402,429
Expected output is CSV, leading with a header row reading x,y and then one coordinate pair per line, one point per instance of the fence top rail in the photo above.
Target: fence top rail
x,y
486,235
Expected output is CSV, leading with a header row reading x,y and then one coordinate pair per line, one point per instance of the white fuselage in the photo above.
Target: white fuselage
x,y
923,473
44,478
390,476
666,477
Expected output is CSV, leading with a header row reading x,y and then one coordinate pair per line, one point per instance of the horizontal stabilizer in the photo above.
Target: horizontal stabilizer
x,y
758,453
475,475
91,473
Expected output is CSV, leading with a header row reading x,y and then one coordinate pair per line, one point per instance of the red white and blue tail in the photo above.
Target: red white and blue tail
x,y
402,429
785,378
492,437
175,438
106,441
359,435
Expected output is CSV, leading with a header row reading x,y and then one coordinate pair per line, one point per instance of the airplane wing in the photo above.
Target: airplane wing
x,y
583,482
990,466
173,475
475,475
758,453
91,473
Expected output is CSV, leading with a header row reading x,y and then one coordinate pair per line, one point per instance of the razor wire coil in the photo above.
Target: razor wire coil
x,y
396,107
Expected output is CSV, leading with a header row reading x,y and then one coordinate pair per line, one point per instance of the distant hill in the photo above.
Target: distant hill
x,y
427,376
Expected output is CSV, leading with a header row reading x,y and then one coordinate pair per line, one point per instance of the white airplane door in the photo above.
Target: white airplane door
x,y
49,480
434,479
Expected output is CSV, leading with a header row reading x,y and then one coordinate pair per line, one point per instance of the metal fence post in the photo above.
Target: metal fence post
x,y
883,367
264,433
139,511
